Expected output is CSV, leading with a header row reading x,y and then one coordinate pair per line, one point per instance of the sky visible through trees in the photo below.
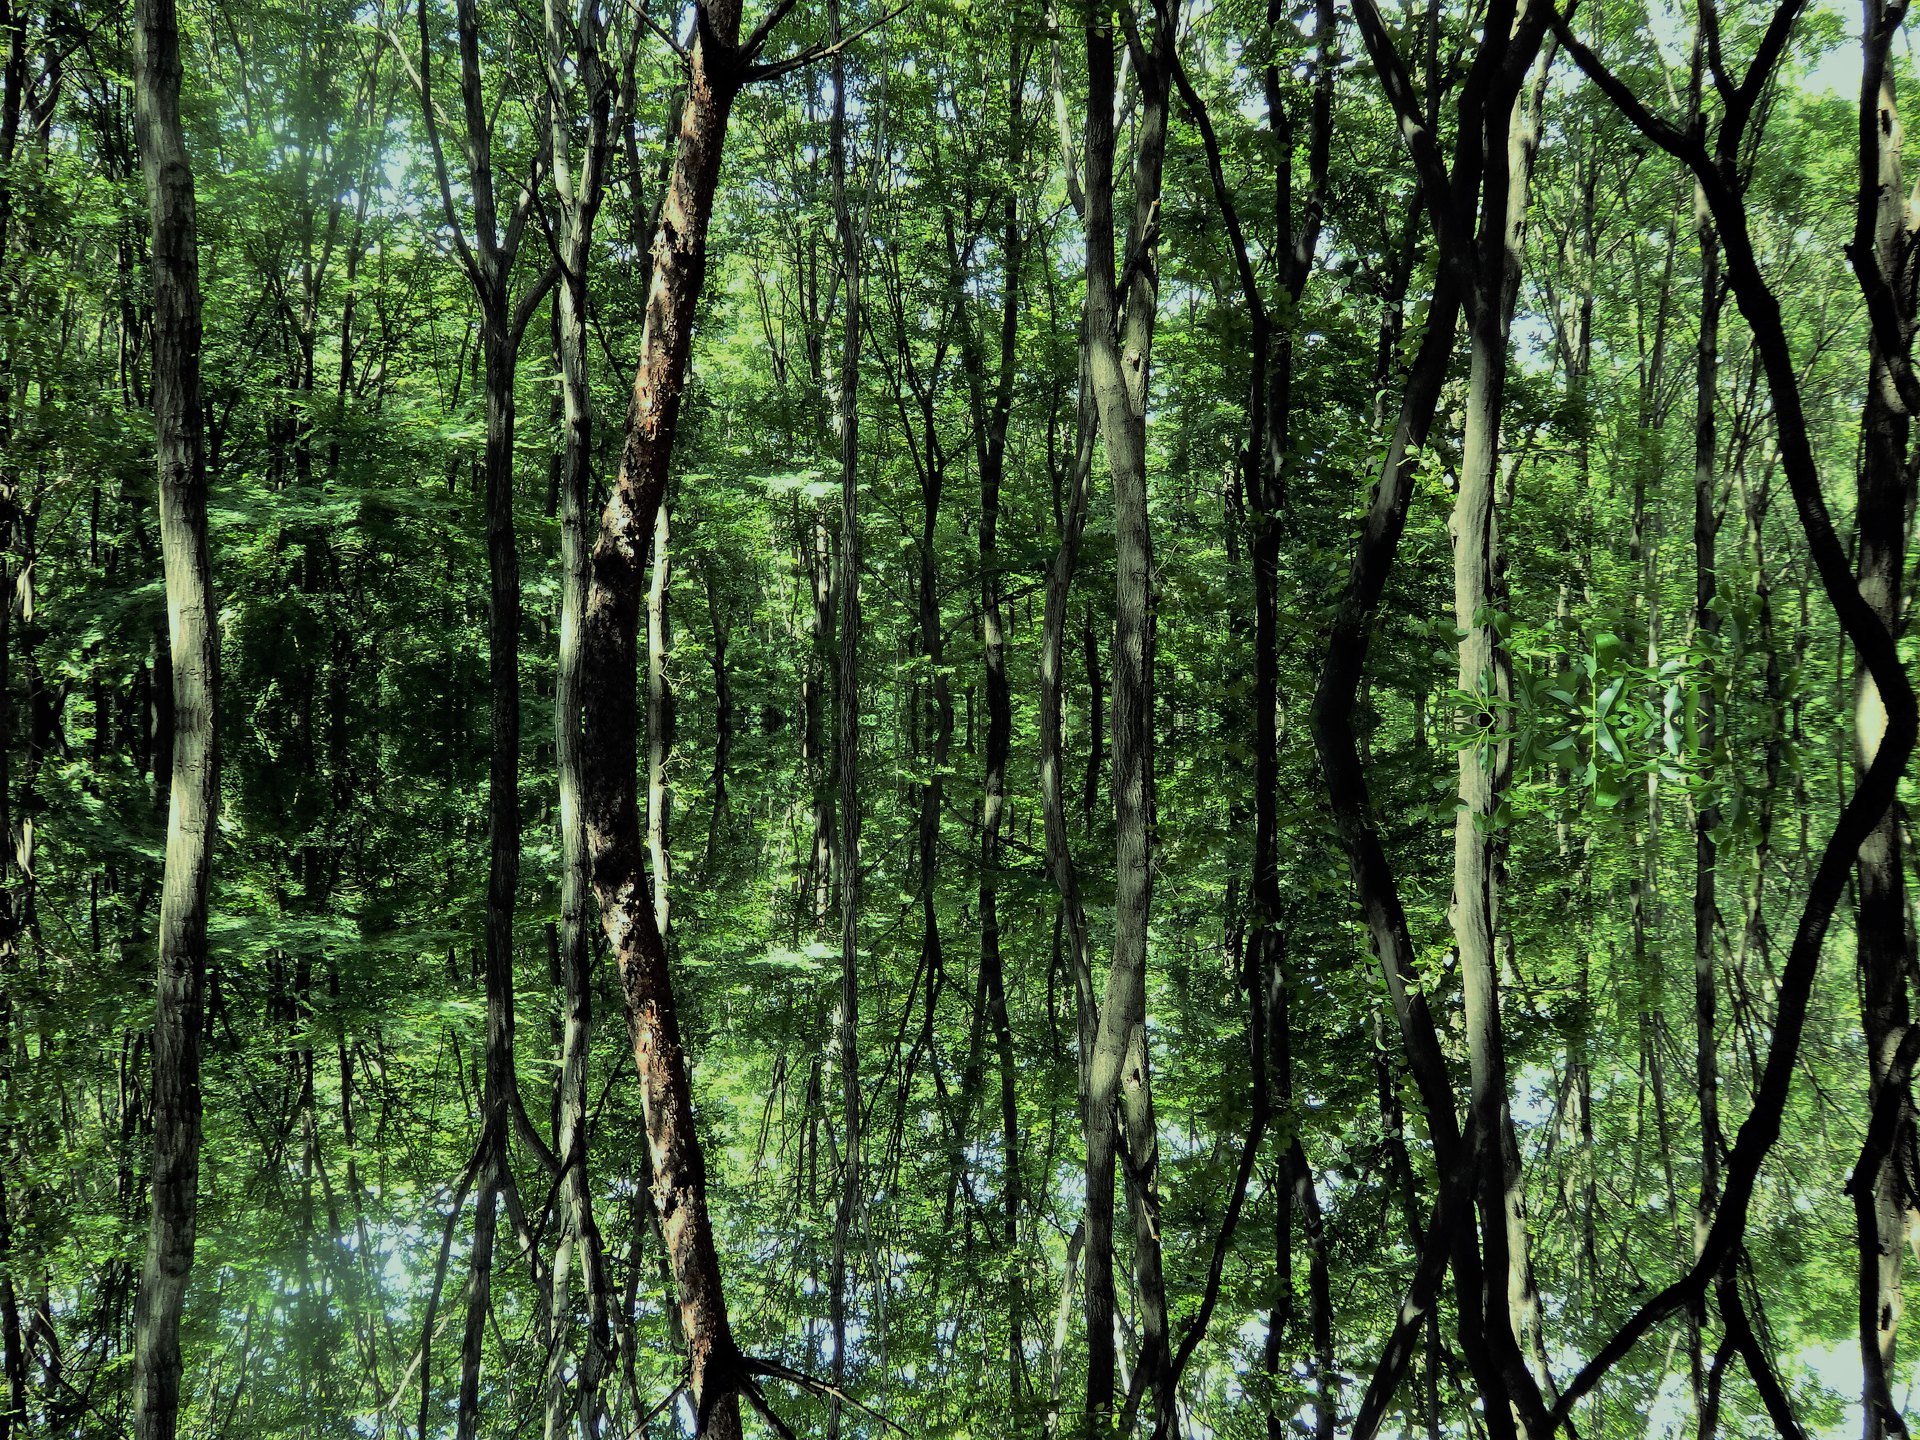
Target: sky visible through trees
x,y
1169,718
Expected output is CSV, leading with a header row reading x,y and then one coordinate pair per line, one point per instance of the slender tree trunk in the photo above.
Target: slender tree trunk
x,y
1265,466
846,726
1475,242
580,192
487,251
193,648
503,852
659,718
609,799
1484,761
1118,337
990,417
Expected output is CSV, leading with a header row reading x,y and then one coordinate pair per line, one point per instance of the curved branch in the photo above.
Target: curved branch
x,y
1871,640
1416,1312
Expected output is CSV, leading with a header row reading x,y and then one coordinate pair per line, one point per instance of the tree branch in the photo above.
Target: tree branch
x,y
819,51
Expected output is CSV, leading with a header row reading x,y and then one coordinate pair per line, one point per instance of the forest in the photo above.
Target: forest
x,y
957,719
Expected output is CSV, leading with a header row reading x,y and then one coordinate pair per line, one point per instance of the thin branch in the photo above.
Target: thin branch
x,y
774,1370
1668,137
673,44
755,42
820,51
1229,214
1421,142
758,1400
530,302
423,84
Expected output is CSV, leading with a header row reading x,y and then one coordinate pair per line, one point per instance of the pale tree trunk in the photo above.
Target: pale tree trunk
x,y
579,193
1485,673
193,648
846,727
659,717
1483,757
1118,336
1475,218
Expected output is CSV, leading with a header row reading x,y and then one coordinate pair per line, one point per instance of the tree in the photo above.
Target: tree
x,y
1424,442
181,467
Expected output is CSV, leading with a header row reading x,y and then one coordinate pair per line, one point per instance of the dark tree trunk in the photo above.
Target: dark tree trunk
x,y
1265,465
1886,949
610,802
1717,171
990,414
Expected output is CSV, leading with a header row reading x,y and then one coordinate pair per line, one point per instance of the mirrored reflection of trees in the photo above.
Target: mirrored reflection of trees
x,y
1178,720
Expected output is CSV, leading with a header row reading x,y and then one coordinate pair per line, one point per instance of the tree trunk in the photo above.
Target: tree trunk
x,y
846,726
487,251
1861,625
193,648
1880,904
659,717
1484,761
580,193
609,640
1475,242
1118,335
990,417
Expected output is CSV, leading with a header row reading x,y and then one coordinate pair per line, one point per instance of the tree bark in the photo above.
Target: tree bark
x,y
193,648
1471,222
1885,226
579,192
1716,170
1118,337
1484,673
659,718
609,641
488,250
846,725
